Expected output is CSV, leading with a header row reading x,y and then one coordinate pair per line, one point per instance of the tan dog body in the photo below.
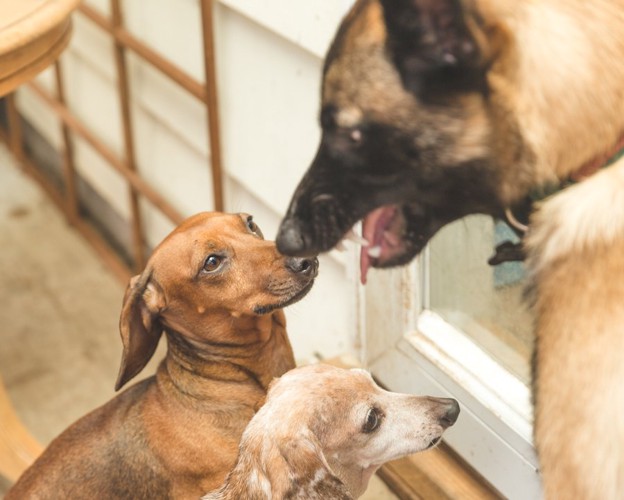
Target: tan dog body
x,y
577,252
324,431
435,109
568,100
216,288
570,109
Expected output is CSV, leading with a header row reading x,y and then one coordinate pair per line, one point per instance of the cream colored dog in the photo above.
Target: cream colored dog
x,y
324,431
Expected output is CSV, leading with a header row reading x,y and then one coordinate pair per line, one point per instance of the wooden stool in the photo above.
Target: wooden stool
x,y
33,33
18,449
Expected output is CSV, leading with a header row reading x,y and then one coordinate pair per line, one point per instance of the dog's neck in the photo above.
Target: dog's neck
x,y
564,86
258,352
354,476
520,222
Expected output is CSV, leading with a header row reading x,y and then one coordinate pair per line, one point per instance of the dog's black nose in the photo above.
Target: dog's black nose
x,y
305,266
290,240
449,417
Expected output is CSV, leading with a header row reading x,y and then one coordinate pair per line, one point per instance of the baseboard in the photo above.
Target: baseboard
x,y
436,474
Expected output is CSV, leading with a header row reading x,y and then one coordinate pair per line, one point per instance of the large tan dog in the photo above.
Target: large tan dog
x,y
217,289
435,109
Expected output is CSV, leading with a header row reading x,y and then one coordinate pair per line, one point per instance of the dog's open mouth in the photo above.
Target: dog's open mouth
x,y
382,233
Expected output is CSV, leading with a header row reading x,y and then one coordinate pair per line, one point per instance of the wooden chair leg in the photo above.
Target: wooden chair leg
x,y
18,449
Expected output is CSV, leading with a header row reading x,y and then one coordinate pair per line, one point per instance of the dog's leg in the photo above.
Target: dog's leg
x,y
579,362
579,428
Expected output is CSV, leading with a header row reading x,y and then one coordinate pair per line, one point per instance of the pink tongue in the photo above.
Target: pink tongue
x,y
373,227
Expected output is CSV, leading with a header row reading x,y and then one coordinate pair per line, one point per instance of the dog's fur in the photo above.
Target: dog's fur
x,y
434,109
324,431
216,288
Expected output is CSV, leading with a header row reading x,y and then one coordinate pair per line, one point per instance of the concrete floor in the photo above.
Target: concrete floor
x,y
59,309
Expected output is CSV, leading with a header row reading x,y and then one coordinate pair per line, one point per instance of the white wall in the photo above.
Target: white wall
x,y
269,58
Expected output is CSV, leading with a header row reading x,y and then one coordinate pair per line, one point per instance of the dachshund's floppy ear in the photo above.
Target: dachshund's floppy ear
x,y
309,473
139,326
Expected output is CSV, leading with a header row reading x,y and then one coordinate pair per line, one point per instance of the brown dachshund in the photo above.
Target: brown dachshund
x,y
217,289
324,431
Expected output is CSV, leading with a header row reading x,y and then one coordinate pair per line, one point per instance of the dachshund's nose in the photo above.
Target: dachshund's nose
x,y
305,266
290,240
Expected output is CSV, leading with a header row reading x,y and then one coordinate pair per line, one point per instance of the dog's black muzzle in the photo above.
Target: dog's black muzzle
x,y
291,239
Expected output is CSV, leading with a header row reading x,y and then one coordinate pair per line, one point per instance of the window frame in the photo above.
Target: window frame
x,y
410,348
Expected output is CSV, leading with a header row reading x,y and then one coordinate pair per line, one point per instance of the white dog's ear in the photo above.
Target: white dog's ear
x,y
362,371
309,473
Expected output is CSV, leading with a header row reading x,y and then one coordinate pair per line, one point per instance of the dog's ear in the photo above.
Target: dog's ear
x,y
310,475
426,36
139,326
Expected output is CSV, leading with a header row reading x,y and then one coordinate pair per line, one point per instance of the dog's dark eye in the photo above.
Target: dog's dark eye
x,y
253,227
212,263
373,419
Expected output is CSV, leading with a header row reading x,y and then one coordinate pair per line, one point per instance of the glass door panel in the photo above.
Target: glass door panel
x,y
484,302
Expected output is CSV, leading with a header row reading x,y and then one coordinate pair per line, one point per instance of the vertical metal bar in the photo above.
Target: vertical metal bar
x,y
15,128
124,95
70,201
211,103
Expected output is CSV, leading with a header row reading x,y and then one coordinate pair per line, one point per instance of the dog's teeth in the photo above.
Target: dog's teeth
x,y
355,238
374,252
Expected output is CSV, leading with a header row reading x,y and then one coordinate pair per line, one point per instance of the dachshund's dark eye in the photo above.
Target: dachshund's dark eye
x,y
373,419
212,263
253,227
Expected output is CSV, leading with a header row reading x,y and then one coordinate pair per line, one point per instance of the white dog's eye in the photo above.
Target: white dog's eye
x,y
373,419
